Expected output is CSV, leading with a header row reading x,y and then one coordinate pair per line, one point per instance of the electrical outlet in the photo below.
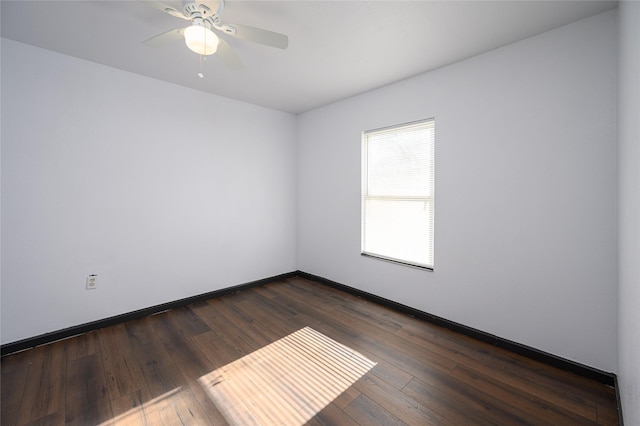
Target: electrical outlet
x,y
92,281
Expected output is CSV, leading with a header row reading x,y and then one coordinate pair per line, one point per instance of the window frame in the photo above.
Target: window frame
x,y
429,199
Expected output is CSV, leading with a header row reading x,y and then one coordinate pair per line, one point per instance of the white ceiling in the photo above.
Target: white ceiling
x,y
336,48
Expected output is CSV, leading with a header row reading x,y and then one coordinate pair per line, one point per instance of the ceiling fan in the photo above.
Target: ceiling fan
x,y
201,37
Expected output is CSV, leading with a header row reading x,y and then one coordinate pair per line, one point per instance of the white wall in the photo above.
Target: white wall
x,y
525,192
629,223
163,191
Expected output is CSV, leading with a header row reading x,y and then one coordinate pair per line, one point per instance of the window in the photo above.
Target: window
x,y
398,183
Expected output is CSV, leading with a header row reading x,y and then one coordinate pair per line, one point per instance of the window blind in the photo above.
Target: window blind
x,y
398,202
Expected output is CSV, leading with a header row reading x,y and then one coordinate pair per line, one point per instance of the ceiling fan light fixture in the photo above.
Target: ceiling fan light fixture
x,y
201,40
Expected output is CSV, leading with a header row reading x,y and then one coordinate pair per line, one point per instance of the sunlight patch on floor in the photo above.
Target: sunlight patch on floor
x,y
286,382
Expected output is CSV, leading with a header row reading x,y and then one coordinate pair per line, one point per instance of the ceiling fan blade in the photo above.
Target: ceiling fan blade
x,y
165,38
256,35
228,56
168,9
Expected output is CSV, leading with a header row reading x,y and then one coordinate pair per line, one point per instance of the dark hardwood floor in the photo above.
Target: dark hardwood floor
x,y
290,353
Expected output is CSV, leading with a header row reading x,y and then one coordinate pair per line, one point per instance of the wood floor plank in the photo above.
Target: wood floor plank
x,y
87,400
161,374
188,322
237,330
346,397
55,419
367,412
264,311
331,415
208,407
190,361
607,412
20,360
31,386
129,410
164,370
370,313
82,345
12,385
188,358
140,331
216,349
44,389
186,408
122,371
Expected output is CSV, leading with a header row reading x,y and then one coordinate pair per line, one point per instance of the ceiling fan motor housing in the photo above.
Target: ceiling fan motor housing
x,y
194,11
